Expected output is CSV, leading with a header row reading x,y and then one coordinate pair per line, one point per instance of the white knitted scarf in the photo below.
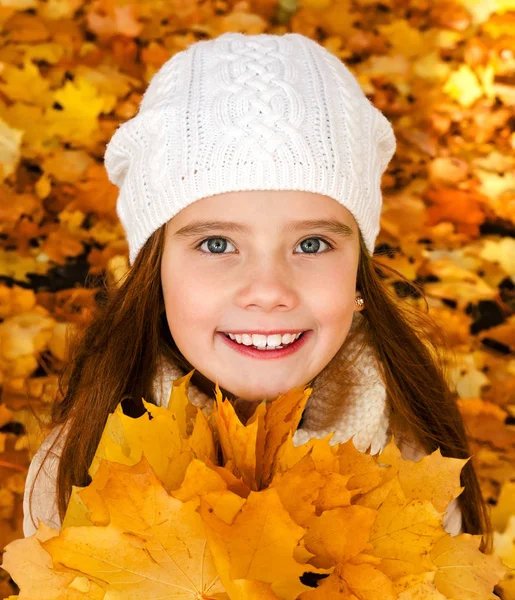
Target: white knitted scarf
x,y
362,414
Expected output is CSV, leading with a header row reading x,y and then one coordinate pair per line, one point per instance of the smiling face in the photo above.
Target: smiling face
x,y
265,275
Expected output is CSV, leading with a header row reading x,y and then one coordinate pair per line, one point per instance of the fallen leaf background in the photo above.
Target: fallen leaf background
x,y
442,72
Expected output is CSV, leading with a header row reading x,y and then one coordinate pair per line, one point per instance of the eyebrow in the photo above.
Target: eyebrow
x,y
328,225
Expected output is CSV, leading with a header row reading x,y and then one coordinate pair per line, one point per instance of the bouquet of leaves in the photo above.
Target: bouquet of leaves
x,y
184,505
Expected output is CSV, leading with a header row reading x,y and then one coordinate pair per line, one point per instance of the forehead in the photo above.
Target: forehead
x,y
263,206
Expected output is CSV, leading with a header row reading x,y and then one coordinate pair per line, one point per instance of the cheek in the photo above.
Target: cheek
x,y
332,293
332,306
334,314
189,301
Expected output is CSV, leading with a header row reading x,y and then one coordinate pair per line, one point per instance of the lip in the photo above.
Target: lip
x,y
268,354
262,332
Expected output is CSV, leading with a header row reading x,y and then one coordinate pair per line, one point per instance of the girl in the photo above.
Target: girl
x,y
250,194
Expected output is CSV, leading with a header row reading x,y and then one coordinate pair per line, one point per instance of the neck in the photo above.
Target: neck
x,y
244,409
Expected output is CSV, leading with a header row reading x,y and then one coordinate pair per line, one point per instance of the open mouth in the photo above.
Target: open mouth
x,y
266,348
268,352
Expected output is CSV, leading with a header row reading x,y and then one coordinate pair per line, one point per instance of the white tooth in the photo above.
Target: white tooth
x,y
259,340
274,340
246,339
262,341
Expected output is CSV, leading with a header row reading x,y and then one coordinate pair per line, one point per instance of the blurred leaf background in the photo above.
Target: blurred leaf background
x,y
443,72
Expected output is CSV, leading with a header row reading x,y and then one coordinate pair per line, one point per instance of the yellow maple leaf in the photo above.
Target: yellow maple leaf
x,y
27,556
417,587
279,420
162,518
125,439
403,533
255,448
77,118
404,38
238,442
153,545
353,582
454,577
433,477
258,544
339,534
504,544
299,489
26,84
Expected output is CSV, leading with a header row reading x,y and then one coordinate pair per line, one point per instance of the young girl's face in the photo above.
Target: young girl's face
x,y
266,271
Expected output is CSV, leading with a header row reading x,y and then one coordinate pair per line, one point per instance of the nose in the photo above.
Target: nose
x,y
269,285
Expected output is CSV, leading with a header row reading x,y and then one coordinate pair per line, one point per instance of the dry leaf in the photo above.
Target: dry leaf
x,y
161,519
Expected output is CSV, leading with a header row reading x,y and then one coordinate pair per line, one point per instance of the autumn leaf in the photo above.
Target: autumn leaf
x,y
108,19
339,534
70,74
238,442
433,477
259,544
353,582
281,418
463,208
454,555
152,544
77,119
403,533
170,428
162,518
27,556
299,489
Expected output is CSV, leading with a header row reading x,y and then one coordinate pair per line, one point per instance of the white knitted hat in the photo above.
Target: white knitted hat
x,y
249,112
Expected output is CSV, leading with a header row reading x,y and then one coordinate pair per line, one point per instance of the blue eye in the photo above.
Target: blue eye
x,y
316,246
219,244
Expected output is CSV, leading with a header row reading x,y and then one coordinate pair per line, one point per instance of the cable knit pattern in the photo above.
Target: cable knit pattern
x,y
362,414
249,112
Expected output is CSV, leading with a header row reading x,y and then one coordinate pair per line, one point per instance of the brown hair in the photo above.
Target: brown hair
x,y
116,356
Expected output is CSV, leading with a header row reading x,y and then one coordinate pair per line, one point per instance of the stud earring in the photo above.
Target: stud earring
x,y
359,301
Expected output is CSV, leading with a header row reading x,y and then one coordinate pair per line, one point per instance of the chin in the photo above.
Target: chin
x,y
252,395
